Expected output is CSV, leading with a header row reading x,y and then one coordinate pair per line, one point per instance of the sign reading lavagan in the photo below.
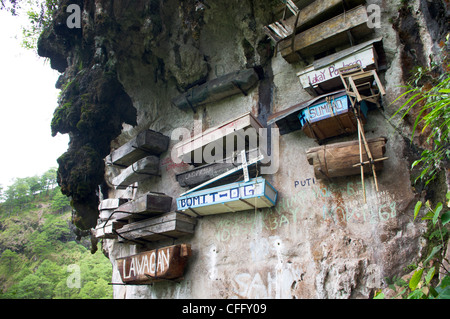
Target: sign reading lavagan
x,y
256,193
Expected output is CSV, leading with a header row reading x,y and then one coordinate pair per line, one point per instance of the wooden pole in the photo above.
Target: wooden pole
x,y
361,160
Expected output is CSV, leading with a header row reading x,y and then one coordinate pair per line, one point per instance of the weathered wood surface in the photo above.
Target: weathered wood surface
x,y
111,203
332,117
339,159
207,172
106,229
239,82
169,225
145,143
316,12
327,35
217,137
136,172
287,120
325,78
148,205
166,263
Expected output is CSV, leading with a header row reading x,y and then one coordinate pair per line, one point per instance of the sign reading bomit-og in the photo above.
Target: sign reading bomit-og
x,y
256,193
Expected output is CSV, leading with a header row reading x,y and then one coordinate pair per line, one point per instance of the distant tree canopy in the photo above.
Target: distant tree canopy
x,y
23,191
9,5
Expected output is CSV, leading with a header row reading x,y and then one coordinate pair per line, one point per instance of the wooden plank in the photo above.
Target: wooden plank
x,y
339,159
257,193
147,205
326,35
238,82
136,172
218,137
145,143
167,263
168,225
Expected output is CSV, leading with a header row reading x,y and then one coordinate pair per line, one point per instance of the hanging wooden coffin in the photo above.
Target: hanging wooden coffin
x,y
322,76
143,207
136,172
331,117
166,226
145,143
256,193
107,206
239,82
107,229
344,28
166,263
341,159
201,174
191,151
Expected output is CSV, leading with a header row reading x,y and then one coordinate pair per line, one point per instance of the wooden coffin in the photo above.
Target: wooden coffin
x,y
256,193
239,82
107,206
207,172
136,172
336,160
322,76
106,229
145,143
191,150
328,119
169,225
344,28
312,14
148,205
287,120
166,263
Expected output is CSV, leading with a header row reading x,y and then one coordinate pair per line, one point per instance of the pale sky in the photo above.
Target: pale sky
x,y
28,98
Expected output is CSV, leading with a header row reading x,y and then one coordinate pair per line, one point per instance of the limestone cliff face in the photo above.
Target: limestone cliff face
x,y
119,74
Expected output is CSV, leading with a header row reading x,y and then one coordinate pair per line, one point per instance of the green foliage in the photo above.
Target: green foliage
x,y
420,286
39,14
37,248
433,100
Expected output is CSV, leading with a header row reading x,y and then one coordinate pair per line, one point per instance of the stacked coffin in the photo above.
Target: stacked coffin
x,y
212,192
138,158
318,27
147,218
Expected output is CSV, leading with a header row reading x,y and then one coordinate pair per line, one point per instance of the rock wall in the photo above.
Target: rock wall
x,y
320,240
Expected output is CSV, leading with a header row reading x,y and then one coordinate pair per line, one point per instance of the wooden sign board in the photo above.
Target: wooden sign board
x,y
326,78
145,143
217,135
169,225
144,206
256,193
136,172
166,263
339,159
